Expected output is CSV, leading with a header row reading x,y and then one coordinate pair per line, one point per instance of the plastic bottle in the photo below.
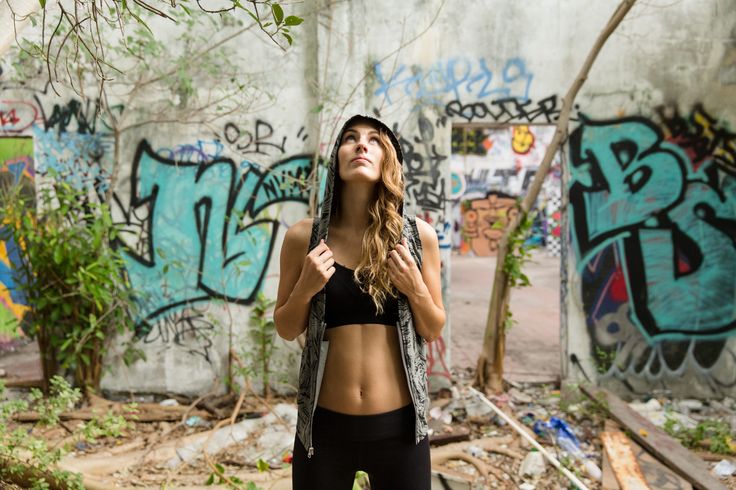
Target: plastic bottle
x,y
556,429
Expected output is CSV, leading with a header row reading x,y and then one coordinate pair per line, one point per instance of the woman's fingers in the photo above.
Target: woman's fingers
x,y
321,247
328,263
396,260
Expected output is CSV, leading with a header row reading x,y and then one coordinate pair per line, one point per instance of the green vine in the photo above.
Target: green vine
x,y
517,255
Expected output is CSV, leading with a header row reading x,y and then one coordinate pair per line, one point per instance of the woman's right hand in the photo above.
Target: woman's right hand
x,y
317,269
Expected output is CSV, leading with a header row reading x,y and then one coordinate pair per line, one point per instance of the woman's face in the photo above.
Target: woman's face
x,y
360,155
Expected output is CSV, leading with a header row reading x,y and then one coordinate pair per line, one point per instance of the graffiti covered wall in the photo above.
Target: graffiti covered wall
x,y
653,226
472,97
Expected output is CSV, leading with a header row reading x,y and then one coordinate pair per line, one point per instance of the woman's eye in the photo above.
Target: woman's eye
x,y
349,137
374,140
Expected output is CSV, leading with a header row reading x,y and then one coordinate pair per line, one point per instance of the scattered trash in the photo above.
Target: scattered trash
x,y
3,373
267,438
526,486
169,402
724,468
527,419
558,431
533,465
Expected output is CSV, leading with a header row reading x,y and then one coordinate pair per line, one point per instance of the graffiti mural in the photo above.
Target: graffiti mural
x,y
653,225
456,78
16,169
491,166
484,221
508,109
197,231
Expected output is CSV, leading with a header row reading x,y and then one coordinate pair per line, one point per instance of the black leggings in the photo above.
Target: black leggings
x,y
382,445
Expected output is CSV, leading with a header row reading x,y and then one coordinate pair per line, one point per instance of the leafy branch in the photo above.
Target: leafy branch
x,y
80,30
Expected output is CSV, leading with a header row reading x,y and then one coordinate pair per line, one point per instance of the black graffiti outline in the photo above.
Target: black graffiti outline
x,y
177,326
423,179
630,237
232,134
148,258
626,355
508,109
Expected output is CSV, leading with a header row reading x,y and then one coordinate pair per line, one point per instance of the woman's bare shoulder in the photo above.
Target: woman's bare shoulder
x,y
298,234
427,233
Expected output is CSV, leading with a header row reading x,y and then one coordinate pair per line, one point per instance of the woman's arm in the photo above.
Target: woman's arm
x,y
422,288
302,275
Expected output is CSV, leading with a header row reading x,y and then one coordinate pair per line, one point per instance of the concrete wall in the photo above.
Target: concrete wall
x,y
644,307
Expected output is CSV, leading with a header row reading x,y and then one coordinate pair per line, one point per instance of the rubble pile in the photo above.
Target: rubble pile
x,y
533,436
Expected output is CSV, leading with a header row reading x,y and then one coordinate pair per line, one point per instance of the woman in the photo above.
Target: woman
x,y
363,280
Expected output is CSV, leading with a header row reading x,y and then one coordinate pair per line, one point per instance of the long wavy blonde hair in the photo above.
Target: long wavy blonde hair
x,y
384,226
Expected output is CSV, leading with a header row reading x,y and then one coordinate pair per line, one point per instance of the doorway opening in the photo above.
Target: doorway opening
x,y
491,167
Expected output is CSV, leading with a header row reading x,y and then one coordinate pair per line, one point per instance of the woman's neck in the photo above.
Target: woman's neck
x,y
354,202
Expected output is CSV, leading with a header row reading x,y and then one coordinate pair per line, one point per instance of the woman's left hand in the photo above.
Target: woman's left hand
x,y
403,271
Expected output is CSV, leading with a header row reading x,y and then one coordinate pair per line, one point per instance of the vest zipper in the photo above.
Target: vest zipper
x,y
409,383
318,385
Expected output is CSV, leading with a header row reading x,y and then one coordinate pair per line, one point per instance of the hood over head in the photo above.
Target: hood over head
x,y
322,222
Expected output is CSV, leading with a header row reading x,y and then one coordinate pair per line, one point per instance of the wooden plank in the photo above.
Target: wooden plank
x,y
654,440
608,479
457,435
656,474
623,462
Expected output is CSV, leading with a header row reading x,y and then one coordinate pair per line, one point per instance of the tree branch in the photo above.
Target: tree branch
x,y
489,370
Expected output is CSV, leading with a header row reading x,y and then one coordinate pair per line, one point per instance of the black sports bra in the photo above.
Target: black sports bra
x,y
346,304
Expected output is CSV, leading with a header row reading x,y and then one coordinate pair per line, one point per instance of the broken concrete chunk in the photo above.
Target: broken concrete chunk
x,y
724,468
519,396
657,415
533,465
271,432
475,408
687,405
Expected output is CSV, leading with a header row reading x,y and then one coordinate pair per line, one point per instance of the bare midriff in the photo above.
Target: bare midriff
x,y
363,372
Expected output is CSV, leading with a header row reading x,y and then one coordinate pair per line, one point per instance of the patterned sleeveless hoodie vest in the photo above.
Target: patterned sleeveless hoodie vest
x,y
315,349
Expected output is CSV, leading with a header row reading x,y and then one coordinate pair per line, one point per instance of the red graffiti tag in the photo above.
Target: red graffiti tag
x,y
436,365
16,116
